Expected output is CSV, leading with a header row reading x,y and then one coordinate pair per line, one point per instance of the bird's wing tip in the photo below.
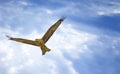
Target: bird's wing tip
x,y
8,36
62,18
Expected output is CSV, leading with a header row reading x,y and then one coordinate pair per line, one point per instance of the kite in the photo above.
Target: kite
x,y
40,42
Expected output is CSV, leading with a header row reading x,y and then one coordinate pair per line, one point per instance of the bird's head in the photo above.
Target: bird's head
x,y
37,40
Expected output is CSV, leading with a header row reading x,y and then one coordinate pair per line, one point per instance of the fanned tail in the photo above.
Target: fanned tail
x,y
44,49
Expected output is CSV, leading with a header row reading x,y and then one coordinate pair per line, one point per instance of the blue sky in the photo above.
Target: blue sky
x,y
87,42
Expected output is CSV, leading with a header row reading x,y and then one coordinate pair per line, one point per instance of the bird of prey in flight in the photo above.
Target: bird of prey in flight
x,y
40,42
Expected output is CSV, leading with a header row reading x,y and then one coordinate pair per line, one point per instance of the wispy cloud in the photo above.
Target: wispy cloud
x,y
30,56
17,58
20,58
107,8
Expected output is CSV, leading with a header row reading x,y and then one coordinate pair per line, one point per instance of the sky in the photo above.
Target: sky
x,y
87,41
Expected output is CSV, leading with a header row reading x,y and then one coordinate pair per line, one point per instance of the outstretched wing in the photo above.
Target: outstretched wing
x,y
51,30
23,40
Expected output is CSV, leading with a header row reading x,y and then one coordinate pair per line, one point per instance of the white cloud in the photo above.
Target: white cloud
x,y
64,41
12,70
18,57
71,41
88,9
107,8
24,3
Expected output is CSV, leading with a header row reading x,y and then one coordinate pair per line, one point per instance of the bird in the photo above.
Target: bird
x,y
40,42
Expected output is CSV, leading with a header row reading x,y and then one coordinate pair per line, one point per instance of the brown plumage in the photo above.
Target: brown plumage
x,y
40,42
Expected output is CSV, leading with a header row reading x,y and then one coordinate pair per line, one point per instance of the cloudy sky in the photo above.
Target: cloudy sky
x,y
87,42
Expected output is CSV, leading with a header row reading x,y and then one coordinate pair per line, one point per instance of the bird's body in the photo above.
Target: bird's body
x,y
40,42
